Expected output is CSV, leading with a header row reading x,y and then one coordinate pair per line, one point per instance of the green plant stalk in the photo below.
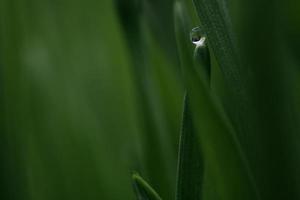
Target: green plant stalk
x,y
221,151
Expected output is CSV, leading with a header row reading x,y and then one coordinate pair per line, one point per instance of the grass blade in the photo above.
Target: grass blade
x,y
221,150
143,190
216,23
215,20
190,165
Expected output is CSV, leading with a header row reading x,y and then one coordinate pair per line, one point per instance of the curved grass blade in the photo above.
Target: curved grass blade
x,y
190,165
143,190
221,150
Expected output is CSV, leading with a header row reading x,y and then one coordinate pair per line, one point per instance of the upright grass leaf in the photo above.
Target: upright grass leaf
x,y
221,151
143,190
216,23
215,20
190,164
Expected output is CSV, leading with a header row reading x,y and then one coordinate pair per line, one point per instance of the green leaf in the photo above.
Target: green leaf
x,y
216,24
190,164
202,62
221,150
143,190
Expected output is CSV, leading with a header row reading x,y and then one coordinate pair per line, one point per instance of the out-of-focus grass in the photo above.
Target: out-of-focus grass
x,y
70,123
70,129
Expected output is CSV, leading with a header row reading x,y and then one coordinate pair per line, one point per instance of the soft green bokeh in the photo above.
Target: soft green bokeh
x,y
68,103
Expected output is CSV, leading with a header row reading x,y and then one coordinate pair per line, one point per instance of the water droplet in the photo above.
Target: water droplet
x,y
197,37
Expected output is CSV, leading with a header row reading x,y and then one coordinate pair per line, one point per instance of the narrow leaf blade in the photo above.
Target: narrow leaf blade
x,y
143,190
190,165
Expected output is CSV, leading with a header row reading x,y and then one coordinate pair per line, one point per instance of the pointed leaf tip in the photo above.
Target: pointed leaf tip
x,y
142,189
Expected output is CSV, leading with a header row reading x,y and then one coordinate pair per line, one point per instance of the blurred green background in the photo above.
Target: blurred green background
x,y
69,114
92,90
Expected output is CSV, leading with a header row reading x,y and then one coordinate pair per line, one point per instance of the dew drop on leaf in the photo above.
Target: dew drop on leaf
x,y
197,37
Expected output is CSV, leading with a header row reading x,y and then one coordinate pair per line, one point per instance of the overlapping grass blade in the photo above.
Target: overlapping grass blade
x,y
221,150
217,25
215,21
